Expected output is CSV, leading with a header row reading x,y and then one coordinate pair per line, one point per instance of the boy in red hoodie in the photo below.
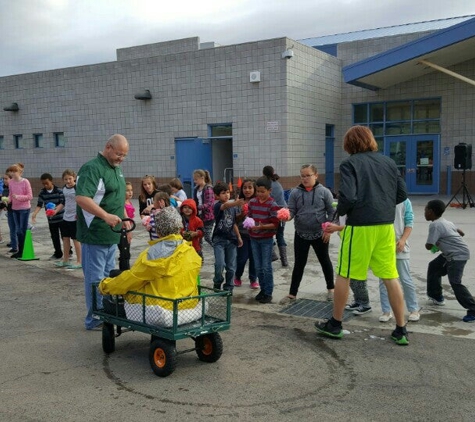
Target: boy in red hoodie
x,y
192,224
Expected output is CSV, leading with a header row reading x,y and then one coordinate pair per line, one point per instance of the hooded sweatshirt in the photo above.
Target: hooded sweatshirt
x,y
194,224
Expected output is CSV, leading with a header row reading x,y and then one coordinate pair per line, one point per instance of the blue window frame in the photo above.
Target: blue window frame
x,y
38,137
395,118
59,140
18,141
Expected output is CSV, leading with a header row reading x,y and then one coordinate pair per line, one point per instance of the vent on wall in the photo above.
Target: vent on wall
x,y
255,76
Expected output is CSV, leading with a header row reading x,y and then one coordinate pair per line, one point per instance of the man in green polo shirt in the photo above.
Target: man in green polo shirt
x,y
100,196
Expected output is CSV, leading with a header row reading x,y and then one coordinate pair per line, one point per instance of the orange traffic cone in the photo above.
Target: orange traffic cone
x,y
239,182
230,187
28,250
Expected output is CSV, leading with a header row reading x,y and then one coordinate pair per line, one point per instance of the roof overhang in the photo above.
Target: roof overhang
x,y
443,48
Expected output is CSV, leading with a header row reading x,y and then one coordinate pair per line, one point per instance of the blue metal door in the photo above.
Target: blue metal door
x,y
192,154
418,160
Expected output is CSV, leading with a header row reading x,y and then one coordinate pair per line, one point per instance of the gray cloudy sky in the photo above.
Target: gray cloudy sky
x,y
50,34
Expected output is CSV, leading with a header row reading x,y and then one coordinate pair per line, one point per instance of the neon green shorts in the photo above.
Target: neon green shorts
x,y
364,247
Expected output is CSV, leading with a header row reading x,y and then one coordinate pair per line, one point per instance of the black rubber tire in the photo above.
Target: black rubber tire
x,y
209,347
162,357
108,338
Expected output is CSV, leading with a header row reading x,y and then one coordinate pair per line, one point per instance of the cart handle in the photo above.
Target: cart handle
x,y
125,230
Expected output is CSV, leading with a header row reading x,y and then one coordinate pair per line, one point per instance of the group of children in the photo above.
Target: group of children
x,y
213,217
60,208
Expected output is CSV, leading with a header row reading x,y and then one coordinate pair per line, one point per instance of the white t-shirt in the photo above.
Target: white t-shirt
x,y
69,204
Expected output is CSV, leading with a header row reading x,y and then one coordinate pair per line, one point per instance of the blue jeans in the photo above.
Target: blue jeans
x,y
408,288
225,252
21,218
262,254
12,228
279,236
244,253
439,267
97,261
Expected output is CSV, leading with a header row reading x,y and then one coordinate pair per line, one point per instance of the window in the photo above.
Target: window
x,y
399,117
216,131
330,131
59,140
18,141
1,142
38,137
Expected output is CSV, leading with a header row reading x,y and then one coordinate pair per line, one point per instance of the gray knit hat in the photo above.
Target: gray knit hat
x,y
168,221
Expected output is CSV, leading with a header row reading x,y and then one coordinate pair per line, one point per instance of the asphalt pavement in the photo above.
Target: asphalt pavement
x,y
274,366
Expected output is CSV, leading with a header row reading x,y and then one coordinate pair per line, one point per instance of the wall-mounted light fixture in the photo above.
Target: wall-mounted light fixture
x,y
143,95
12,107
288,54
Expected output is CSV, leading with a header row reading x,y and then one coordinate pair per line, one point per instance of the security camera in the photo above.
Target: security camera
x,y
287,54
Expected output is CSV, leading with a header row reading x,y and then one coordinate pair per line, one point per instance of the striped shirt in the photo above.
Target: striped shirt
x,y
54,196
263,213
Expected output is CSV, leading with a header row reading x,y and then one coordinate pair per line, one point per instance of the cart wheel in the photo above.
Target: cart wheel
x,y
108,338
209,347
162,357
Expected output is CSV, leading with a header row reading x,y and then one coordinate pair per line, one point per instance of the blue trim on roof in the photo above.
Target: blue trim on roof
x,y
331,49
420,47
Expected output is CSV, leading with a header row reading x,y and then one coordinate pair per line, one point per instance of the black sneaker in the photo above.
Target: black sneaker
x,y
13,250
8,245
16,255
327,329
265,299
361,310
400,337
352,306
260,295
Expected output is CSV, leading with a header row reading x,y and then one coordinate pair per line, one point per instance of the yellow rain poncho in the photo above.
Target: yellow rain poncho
x,y
168,268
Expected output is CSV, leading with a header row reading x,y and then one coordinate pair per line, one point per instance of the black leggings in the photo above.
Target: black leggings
x,y
301,248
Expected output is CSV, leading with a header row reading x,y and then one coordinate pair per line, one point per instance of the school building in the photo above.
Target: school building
x,y
233,109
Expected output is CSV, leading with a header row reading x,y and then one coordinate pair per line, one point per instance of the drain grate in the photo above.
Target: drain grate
x,y
313,309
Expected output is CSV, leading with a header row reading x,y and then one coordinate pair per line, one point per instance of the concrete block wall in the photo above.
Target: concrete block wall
x,y
314,100
158,49
190,90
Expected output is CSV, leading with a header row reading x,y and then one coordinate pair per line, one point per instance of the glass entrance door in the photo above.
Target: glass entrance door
x,y
417,158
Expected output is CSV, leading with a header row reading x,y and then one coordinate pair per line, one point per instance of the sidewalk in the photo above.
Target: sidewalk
x,y
444,320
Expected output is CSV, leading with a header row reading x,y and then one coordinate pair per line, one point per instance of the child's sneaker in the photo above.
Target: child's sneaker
x,y
254,285
400,337
385,317
414,316
62,264
468,318
352,306
327,329
237,282
266,299
361,310
439,301
259,295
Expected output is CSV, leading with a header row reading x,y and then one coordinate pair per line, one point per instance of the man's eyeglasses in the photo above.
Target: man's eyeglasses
x,y
116,154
